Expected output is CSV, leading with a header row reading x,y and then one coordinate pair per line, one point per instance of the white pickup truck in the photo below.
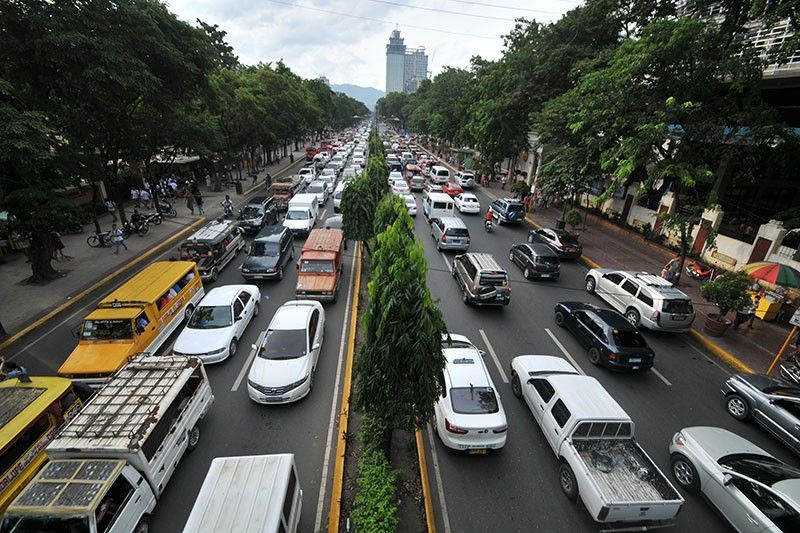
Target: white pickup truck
x,y
593,439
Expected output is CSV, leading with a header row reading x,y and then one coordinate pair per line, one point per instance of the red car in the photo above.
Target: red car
x,y
452,188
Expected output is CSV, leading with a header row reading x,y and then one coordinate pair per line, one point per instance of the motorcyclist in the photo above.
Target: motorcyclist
x,y
136,218
227,206
489,216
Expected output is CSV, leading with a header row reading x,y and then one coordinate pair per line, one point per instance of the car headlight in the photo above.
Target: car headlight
x,y
679,439
246,270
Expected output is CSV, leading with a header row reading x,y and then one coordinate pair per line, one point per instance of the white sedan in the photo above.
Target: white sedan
x,y
400,186
466,202
469,415
395,175
286,357
411,204
214,329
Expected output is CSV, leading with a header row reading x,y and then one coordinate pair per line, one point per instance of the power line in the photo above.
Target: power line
x,y
483,4
436,10
382,21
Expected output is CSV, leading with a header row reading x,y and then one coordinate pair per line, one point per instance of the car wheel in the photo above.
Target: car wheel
x,y
527,273
464,297
737,407
594,356
590,285
685,473
632,316
214,274
438,246
559,319
516,386
567,481
232,348
256,309
311,378
193,439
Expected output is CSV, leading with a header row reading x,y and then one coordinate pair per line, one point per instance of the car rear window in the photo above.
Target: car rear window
x,y
629,339
678,306
547,259
457,232
567,238
515,208
473,400
494,280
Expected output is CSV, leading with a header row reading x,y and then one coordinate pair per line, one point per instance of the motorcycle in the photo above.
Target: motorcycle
x,y
698,271
140,227
167,209
99,240
153,218
790,370
488,225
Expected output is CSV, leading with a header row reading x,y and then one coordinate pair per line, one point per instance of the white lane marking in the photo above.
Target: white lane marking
x,y
494,355
661,376
332,422
247,363
564,351
709,359
446,262
439,484
322,215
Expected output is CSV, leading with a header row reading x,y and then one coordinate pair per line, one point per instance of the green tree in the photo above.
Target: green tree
x,y
401,355
358,210
390,208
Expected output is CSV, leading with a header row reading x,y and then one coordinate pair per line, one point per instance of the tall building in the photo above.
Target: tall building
x,y
395,63
405,68
416,69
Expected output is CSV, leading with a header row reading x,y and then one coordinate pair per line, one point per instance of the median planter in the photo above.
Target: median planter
x,y
715,325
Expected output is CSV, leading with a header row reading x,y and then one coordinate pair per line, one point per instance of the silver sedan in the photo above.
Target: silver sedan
x,y
753,490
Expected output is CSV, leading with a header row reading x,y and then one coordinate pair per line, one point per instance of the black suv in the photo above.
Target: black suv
x,y
535,260
508,211
271,251
258,212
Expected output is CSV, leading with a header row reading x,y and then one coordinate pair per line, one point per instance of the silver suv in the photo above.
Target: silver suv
x,y
450,233
481,279
645,300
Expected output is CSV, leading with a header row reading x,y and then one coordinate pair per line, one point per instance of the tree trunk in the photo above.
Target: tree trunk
x,y
41,254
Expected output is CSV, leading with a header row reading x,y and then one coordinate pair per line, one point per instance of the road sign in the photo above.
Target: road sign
x,y
795,320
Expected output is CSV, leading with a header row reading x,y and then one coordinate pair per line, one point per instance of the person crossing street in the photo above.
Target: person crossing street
x,y
118,237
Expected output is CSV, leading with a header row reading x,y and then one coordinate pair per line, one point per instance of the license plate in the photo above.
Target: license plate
x,y
678,317
259,277
547,275
635,360
477,451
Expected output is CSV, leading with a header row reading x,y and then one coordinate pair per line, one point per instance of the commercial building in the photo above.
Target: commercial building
x,y
416,69
405,67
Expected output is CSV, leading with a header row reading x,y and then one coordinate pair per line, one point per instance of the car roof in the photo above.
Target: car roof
x,y
509,200
485,261
453,222
586,398
540,249
465,367
271,233
225,294
466,194
290,316
613,319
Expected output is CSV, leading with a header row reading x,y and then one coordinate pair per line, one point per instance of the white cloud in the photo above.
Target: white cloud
x,y
347,49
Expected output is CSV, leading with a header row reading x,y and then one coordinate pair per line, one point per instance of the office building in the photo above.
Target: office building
x,y
416,69
405,67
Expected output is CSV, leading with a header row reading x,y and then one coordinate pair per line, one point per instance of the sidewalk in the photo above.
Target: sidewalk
x,y
24,305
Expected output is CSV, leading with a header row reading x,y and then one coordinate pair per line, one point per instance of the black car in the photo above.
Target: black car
x,y
258,212
611,340
536,261
562,242
508,211
270,252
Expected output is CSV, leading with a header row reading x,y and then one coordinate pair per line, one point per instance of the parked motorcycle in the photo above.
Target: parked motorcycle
x,y
790,370
153,219
140,227
698,271
167,209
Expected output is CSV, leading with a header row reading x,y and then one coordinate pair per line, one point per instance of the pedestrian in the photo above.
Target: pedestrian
x,y
144,194
753,309
111,206
503,181
118,237
58,247
227,206
526,202
255,176
670,269
135,195
268,179
291,158
198,199
190,201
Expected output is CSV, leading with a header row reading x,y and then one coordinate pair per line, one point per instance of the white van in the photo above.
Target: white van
x,y
437,205
301,215
439,174
337,196
251,494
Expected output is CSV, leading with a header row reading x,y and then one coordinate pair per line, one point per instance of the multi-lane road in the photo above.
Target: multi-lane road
x,y
517,489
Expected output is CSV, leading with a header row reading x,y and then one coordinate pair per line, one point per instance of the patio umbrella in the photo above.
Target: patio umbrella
x,y
775,273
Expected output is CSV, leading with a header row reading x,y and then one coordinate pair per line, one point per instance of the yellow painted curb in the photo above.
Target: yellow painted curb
x,y
426,487
720,352
344,413
75,299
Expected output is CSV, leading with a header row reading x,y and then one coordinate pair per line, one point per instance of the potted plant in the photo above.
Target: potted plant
x,y
574,218
729,293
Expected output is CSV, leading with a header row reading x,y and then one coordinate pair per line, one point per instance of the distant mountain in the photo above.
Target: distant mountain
x,y
367,95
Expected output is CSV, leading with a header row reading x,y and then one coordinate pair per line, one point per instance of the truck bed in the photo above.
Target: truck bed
x,y
632,476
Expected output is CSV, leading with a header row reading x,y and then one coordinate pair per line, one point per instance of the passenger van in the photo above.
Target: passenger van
x,y
450,233
137,317
257,494
439,174
33,411
437,205
212,247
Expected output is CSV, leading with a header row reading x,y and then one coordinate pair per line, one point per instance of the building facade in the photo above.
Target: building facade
x,y
416,69
405,67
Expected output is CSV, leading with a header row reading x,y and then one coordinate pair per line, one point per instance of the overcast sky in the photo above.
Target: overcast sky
x,y
346,40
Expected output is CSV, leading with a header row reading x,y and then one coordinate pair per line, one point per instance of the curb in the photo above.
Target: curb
x,y
344,412
430,521
78,297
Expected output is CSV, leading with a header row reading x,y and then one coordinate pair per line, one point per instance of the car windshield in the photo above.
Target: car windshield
x,y
297,214
211,317
678,306
568,239
107,330
283,344
473,400
251,211
316,187
261,249
628,339
36,524
316,266
763,469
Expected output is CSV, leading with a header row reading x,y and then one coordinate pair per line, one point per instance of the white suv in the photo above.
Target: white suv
x,y
468,416
645,299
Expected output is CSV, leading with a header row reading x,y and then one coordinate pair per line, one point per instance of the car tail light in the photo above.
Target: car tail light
x,y
444,237
500,430
612,356
454,429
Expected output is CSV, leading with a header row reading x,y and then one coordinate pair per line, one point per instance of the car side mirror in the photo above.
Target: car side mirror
x,y
237,318
316,346
483,354
254,347
727,479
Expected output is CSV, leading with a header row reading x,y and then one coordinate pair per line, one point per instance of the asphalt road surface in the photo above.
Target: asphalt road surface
x,y
236,425
517,488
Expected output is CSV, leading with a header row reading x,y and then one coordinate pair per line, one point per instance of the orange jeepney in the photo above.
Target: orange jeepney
x,y
320,265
